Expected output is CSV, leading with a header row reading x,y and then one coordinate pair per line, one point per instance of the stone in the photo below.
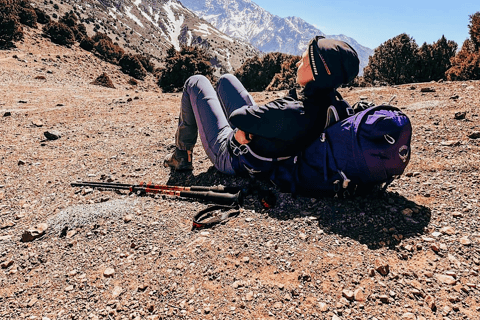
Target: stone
x,y
466,241
427,89
322,307
382,267
35,233
409,316
448,230
109,272
446,279
37,123
52,135
474,135
278,305
7,114
127,218
460,115
116,292
7,224
348,294
435,247
371,272
69,288
71,233
249,296
6,264
384,298
359,295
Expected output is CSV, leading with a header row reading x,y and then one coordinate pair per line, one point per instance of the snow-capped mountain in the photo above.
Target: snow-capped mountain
x,y
245,20
152,26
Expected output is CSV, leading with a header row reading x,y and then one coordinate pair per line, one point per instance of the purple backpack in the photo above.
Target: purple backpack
x,y
365,150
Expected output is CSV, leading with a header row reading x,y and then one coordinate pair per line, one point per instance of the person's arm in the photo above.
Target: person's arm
x,y
242,137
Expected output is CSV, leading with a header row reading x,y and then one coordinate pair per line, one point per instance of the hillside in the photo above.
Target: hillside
x,y
411,254
151,27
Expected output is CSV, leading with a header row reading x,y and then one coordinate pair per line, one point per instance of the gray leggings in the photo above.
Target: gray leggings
x,y
205,110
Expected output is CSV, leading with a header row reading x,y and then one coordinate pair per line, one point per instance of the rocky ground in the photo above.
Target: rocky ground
x,y
71,253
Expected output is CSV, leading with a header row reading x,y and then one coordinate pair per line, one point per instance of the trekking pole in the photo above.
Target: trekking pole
x,y
212,194
150,186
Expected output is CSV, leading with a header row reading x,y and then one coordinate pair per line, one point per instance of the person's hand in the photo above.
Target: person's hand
x,y
242,137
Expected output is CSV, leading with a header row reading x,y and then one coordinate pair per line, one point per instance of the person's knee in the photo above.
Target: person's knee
x,y
195,80
226,79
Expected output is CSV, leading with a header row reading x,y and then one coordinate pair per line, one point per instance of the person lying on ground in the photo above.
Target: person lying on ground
x,y
241,137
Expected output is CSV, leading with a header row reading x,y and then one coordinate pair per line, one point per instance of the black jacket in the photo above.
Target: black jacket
x,y
285,126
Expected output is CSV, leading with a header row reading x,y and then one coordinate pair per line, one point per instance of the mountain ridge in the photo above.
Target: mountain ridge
x,y
245,20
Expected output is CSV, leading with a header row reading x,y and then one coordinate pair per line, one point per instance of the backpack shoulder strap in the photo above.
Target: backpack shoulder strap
x,y
338,110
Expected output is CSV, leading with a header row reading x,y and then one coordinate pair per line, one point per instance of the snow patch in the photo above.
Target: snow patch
x,y
175,26
132,16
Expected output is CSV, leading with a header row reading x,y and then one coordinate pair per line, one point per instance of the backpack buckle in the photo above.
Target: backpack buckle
x,y
323,137
350,112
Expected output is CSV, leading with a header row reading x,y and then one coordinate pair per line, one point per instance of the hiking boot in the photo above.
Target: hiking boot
x,y
180,160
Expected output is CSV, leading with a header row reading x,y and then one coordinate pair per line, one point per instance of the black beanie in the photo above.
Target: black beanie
x,y
333,62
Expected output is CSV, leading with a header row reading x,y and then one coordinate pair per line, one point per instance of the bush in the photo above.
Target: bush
x,y
466,64
131,66
179,66
146,63
287,77
59,33
28,17
87,43
258,72
393,62
42,17
104,81
108,51
71,20
10,27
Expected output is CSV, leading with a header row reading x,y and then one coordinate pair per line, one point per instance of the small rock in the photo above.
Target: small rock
x,y
450,143
455,97
52,135
384,298
69,288
207,310
409,316
37,123
71,233
278,305
446,279
466,241
448,230
35,233
246,259
7,114
457,214
117,291
371,272
6,264
382,267
127,218
430,302
359,295
21,162
109,272
249,296
435,247
460,115
322,307
348,294
303,236
474,135
427,89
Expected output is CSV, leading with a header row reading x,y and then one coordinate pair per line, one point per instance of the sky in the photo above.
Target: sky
x,y
372,22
